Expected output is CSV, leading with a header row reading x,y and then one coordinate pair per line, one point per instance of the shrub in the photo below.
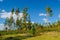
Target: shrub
x,y
13,38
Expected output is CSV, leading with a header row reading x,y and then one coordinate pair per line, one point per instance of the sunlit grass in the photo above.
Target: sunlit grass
x,y
53,35
47,36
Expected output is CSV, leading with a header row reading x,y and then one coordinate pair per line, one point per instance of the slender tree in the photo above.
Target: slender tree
x,y
10,22
49,13
58,23
6,23
17,20
17,23
24,17
11,18
12,11
29,23
17,12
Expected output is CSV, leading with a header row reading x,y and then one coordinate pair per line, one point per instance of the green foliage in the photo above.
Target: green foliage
x,y
29,23
17,11
33,30
12,11
49,11
10,22
17,22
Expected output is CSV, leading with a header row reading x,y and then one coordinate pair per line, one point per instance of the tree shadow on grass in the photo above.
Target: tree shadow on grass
x,y
13,38
17,38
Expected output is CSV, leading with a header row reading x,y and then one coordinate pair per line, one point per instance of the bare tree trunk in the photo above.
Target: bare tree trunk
x,y
47,19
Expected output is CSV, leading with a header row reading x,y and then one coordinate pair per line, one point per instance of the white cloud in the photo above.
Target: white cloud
x,y
1,26
59,15
5,14
32,22
15,16
3,11
1,0
8,14
45,20
42,14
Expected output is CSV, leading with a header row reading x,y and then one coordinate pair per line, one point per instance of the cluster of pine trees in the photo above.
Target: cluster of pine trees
x,y
25,23
22,23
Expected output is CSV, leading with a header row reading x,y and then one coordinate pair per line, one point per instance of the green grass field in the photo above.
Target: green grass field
x,y
45,36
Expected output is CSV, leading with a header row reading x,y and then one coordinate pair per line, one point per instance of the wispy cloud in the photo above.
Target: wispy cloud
x,y
32,22
1,26
1,0
5,14
42,14
8,14
3,11
59,15
45,19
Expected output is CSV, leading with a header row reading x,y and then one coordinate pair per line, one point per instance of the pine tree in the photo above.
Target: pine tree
x,y
29,22
24,18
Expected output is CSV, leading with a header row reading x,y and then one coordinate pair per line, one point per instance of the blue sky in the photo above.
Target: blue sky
x,y
35,8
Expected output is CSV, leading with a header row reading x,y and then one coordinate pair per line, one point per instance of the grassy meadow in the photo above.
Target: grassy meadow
x,y
53,35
